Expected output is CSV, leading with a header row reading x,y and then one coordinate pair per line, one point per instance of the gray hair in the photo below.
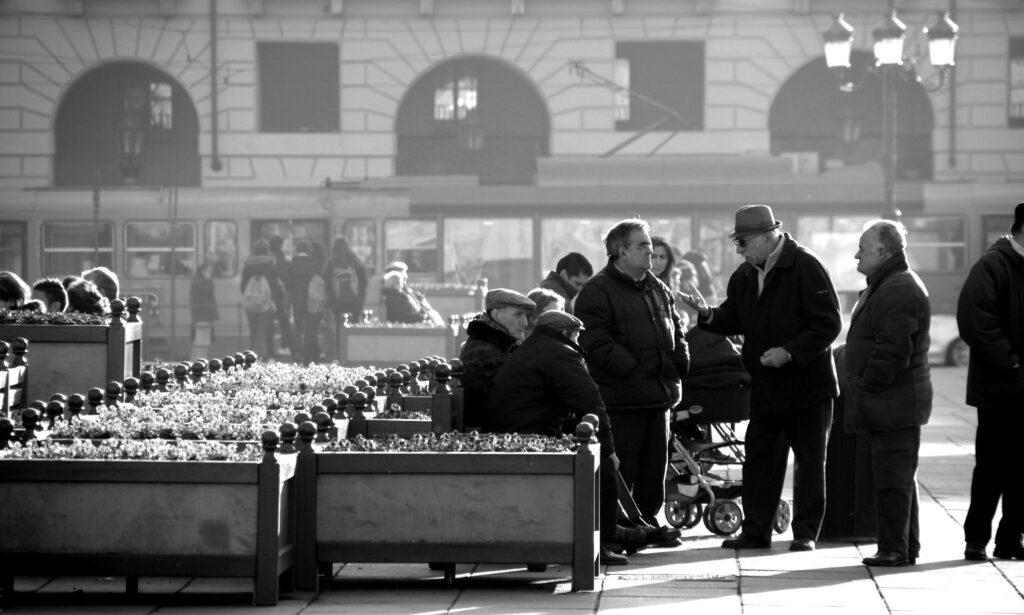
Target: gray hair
x,y
891,234
619,234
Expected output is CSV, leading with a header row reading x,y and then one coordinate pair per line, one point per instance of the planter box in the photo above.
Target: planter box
x,y
148,518
362,345
75,358
448,508
458,301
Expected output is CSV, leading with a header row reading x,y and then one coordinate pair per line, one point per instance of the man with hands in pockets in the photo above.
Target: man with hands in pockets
x,y
783,302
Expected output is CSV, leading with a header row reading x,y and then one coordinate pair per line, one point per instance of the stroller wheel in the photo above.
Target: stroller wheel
x,y
694,512
681,515
723,518
783,516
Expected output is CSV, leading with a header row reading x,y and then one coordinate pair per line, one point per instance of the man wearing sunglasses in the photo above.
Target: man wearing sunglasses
x,y
783,302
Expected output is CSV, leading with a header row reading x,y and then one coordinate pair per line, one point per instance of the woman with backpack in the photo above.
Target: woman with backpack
x,y
345,276
262,292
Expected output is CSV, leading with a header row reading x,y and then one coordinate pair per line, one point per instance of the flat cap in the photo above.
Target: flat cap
x,y
396,266
557,319
501,297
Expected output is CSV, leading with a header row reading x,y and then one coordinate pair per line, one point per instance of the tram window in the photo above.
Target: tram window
x,y
221,243
148,253
500,250
936,244
362,238
835,240
12,247
994,227
414,242
70,248
313,231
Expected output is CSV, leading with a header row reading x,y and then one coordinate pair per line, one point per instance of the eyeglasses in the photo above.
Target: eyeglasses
x,y
743,241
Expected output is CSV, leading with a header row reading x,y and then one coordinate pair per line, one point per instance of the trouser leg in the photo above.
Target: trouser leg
x,y
649,483
894,455
807,432
986,482
764,471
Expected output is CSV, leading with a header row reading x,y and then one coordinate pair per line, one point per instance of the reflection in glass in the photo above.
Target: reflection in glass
x,y
148,249
362,237
413,242
499,250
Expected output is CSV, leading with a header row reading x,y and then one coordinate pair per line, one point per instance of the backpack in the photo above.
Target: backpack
x,y
345,284
256,298
316,295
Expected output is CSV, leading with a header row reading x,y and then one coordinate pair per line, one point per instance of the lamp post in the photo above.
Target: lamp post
x,y
892,66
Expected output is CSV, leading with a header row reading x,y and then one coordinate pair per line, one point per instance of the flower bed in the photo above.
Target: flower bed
x,y
448,499
106,516
71,353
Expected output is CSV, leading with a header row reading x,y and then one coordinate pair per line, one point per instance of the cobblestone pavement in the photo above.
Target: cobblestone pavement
x,y
699,577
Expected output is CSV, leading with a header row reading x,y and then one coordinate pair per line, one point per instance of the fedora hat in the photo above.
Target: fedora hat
x,y
754,219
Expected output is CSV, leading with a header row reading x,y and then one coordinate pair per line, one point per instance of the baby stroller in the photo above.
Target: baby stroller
x,y
704,477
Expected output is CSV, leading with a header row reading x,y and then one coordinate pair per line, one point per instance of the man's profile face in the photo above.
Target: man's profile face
x,y
635,256
576,281
870,253
755,248
512,318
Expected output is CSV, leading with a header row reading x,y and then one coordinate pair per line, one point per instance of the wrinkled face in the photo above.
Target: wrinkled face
x,y
870,253
512,318
635,256
659,260
755,248
577,281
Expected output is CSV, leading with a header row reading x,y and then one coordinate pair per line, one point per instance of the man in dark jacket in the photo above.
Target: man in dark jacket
x,y
637,355
492,336
282,265
990,315
571,272
889,386
784,304
307,325
544,388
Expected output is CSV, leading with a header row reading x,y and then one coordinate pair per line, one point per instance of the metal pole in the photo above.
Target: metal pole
x,y
889,143
96,226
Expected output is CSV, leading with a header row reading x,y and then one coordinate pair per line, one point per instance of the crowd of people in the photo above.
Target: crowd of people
x,y
89,292
617,343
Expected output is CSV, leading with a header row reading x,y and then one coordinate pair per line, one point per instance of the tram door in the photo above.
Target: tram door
x,y
292,231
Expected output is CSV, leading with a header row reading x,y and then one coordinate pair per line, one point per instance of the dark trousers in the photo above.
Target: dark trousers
x,y
996,473
894,463
608,502
641,443
767,445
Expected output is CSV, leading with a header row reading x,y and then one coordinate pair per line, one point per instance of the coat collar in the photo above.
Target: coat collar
x,y
895,264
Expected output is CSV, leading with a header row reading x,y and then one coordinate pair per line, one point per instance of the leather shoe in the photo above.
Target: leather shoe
x,y
975,552
746,541
1011,552
663,537
801,544
608,558
886,558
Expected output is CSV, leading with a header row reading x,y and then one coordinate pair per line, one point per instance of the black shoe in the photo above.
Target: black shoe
x,y
608,558
801,544
886,558
664,537
746,541
1011,552
975,552
632,539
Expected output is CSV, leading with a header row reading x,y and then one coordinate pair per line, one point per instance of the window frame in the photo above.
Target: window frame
x,y
44,250
421,275
21,255
129,251
1015,58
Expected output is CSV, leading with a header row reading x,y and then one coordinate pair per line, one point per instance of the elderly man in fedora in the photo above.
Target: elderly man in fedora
x,y
784,304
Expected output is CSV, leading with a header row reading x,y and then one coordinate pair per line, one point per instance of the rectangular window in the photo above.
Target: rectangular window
x,y
313,231
835,239
414,242
299,87
69,248
221,243
500,250
151,249
1016,109
936,244
12,248
666,83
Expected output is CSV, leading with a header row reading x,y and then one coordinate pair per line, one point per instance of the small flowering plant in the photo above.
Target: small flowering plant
x,y
134,450
25,317
395,411
472,442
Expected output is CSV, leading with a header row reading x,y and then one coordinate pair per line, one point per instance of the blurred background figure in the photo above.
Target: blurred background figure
x,y
282,266
105,280
262,292
663,261
345,276
546,301
84,297
204,311
404,304
52,293
14,292
571,272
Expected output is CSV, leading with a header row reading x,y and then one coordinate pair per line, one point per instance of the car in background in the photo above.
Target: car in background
x,y
946,348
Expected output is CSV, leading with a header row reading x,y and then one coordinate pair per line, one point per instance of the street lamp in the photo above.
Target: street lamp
x,y
891,64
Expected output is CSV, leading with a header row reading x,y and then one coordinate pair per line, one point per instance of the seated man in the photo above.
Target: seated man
x,y
492,336
404,304
545,388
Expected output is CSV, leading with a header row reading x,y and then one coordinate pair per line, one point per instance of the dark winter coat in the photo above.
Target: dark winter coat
x,y
354,308
635,347
264,265
560,286
403,305
300,272
990,316
544,388
888,382
487,347
799,311
203,300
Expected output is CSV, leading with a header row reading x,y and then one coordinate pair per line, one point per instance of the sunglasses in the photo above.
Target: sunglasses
x,y
743,241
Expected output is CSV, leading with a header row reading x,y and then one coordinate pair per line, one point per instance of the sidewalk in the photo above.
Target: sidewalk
x,y
699,577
